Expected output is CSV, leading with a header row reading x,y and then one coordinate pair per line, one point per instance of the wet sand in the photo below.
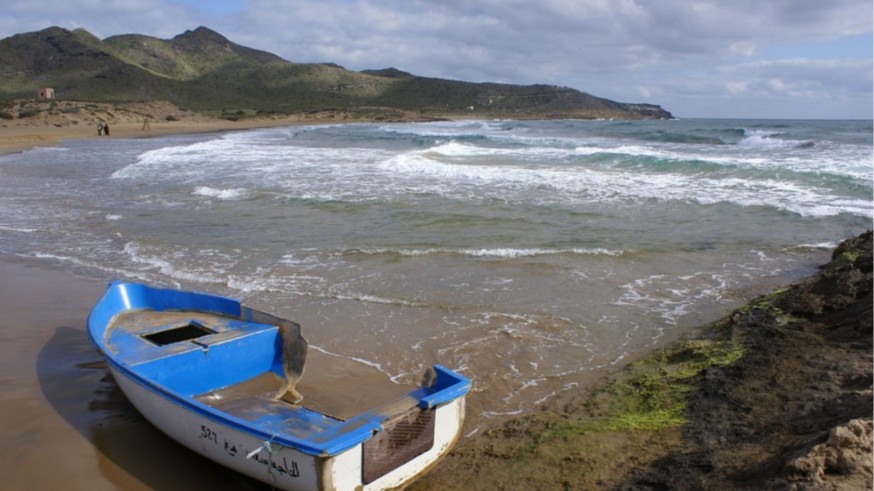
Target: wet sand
x,y
63,421
65,424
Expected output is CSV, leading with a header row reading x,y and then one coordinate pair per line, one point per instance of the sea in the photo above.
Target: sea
x,y
532,256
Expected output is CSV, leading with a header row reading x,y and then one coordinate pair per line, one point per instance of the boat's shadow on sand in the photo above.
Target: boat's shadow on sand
x,y
76,382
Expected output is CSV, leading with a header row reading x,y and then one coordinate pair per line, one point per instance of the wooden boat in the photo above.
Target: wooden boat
x,y
221,378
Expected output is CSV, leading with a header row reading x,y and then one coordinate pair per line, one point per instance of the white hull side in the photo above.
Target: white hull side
x,y
283,467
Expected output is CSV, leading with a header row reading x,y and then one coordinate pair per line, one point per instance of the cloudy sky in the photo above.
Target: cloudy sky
x,y
696,58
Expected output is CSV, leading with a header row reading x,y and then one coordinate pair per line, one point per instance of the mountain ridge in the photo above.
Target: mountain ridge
x,y
203,70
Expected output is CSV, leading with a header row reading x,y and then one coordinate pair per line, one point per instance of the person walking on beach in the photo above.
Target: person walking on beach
x,y
106,129
99,129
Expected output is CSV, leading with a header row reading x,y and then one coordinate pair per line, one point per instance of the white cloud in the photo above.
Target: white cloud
x,y
799,88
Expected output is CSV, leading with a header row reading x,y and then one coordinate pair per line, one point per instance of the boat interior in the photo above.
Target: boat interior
x,y
239,368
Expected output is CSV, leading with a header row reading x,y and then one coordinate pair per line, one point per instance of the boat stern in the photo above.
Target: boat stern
x,y
408,443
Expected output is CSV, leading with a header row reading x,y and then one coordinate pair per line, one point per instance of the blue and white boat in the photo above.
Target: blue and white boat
x,y
221,378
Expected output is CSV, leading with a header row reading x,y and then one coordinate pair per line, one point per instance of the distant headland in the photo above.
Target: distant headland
x,y
202,71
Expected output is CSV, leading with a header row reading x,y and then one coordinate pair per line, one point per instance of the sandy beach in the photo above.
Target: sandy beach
x,y
68,425
65,423
44,133
20,138
45,123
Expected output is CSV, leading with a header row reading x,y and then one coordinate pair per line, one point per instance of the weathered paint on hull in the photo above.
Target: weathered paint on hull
x,y
279,466
199,367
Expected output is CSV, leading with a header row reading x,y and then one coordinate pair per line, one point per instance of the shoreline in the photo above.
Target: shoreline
x,y
60,407
776,395
58,401
47,123
794,365
71,383
24,138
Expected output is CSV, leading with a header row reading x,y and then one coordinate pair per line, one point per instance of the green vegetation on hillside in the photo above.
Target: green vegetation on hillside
x,y
204,71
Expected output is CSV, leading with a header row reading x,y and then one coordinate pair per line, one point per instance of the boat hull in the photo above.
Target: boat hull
x,y
219,378
280,466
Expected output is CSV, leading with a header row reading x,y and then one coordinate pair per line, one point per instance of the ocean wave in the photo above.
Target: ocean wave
x,y
165,264
769,142
494,253
379,300
85,263
231,194
228,154
630,180
457,150
26,230
445,129
678,137
670,297
362,361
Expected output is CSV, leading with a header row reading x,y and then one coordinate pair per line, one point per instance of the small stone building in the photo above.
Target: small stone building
x,y
45,93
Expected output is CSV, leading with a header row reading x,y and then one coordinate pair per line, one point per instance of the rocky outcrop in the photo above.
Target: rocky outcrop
x,y
795,411
846,453
778,395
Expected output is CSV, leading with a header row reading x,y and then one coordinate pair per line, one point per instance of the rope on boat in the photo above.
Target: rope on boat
x,y
267,446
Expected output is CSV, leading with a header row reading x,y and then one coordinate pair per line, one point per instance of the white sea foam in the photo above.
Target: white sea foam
x,y
231,194
455,149
362,361
599,185
44,150
527,254
758,141
670,297
171,265
376,299
458,150
497,253
79,262
26,230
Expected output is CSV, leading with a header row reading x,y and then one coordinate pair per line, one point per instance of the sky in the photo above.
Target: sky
x,y
784,59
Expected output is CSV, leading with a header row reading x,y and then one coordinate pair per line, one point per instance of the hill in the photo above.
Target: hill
x,y
204,71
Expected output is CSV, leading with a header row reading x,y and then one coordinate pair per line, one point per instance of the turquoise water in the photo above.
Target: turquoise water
x,y
530,255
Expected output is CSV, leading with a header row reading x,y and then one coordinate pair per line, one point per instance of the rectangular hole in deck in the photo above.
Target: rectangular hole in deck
x,y
189,331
